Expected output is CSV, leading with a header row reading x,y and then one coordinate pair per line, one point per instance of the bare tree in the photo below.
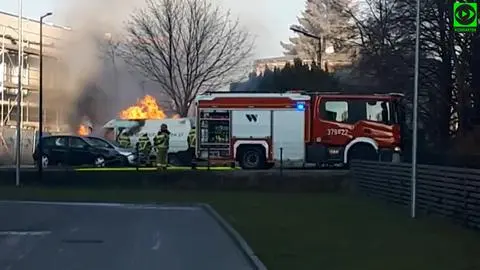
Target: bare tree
x,y
186,46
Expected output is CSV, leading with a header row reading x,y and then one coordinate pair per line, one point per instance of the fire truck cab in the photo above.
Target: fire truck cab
x,y
298,129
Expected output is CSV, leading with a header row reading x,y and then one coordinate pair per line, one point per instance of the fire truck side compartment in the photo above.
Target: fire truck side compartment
x,y
257,127
251,128
288,135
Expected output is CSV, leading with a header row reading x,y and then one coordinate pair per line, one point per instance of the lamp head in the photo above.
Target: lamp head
x,y
46,15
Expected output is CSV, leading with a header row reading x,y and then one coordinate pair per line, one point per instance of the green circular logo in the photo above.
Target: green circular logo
x,y
465,14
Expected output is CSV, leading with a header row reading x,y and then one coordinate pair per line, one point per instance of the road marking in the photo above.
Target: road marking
x,y
117,205
158,242
152,207
24,233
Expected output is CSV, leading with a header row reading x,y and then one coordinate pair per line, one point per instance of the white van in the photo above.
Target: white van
x,y
178,152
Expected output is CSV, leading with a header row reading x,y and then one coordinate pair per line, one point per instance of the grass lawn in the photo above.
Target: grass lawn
x,y
313,231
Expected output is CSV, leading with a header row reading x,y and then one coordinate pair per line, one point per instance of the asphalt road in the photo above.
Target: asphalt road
x,y
113,237
13,167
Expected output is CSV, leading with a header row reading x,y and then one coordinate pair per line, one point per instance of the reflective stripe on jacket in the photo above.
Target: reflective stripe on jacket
x,y
161,140
124,140
144,143
192,138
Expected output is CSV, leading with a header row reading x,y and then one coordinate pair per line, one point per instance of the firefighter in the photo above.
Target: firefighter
x,y
124,139
145,146
191,139
161,142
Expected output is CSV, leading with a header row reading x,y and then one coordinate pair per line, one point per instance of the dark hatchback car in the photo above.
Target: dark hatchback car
x,y
129,156
75,151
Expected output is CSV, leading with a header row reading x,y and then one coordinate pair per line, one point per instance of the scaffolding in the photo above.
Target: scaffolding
x,y
9,67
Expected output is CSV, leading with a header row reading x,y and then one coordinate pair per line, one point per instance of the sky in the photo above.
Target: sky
x,y
268,20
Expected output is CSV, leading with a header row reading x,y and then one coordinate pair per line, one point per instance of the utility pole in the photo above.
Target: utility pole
x,y
319,54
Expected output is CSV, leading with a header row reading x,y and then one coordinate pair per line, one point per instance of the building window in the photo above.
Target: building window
x,y
34,63
14,69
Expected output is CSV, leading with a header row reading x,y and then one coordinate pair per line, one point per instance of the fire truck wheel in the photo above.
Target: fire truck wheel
x,y
362,151
252,157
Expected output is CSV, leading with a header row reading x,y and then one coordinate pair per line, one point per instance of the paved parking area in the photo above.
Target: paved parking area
x,y
70,236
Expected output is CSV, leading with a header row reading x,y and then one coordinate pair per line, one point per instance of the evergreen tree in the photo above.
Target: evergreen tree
x,y
328,19
298,76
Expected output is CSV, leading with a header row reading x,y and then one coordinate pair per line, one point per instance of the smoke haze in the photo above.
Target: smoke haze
x,y
90,88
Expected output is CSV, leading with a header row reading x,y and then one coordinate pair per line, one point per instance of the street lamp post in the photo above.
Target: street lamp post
x,y
111,50
19,93
318,38
40,101
415,114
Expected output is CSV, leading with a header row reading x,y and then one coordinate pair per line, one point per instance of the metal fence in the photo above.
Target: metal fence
x,y
447,191
7,146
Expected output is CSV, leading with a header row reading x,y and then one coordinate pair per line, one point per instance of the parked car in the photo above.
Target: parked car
x,y
75,151
129,154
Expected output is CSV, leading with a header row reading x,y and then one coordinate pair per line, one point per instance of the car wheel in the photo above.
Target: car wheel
x,y
45,161
99,162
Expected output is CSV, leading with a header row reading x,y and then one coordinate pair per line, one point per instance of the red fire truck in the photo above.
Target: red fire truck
x,y
298,129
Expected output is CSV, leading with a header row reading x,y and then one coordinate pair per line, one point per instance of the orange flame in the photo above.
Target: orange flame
x,y
146,108
83,130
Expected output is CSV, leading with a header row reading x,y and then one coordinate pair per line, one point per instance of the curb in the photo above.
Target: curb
x,y
239,241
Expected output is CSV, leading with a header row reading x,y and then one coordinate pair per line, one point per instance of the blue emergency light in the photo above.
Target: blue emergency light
x,y
300,106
